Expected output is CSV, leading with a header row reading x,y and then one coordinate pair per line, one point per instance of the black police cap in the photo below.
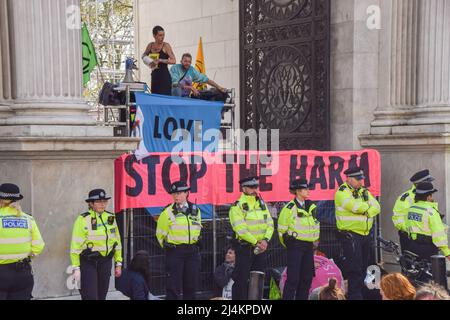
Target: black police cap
x,y
422,176
425,188
299,184
354,172
97,194
249,182
179,186
10,191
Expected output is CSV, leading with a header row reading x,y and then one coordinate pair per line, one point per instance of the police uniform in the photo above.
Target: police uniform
x,y
251,222
404,202
355,213
20,240
427,232
95,243
298,228
178,231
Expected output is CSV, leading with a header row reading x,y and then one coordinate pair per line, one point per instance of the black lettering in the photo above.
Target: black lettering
x,y
295,172
263,184
245,172
189,124
196,173
156,133
151,163
167,167
133,192
334,171
229,172
364,164
167,133
318,174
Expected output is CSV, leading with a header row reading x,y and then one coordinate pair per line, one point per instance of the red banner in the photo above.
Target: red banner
x,y
214,178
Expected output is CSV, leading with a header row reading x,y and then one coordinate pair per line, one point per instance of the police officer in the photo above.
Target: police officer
x,y
356,209
298,229
404,202
95,242
424,224
178,231
253,228
20,241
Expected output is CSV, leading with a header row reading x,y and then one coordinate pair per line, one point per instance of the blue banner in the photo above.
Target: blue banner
x,y
161,119
158,120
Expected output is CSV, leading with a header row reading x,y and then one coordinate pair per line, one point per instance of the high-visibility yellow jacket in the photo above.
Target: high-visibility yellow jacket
x,y
353,213
401,207
424,219
251,220
176,228
97,230
299,222
19,236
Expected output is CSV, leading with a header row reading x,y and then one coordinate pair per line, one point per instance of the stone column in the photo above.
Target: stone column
x,y
412,122
5,65
49,146
47,65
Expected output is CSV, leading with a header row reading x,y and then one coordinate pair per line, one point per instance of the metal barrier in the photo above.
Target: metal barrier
x,y
140,235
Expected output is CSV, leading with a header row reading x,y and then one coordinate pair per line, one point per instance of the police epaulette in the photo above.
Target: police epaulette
x,y
29,214
236,203
111,213
290,205
167,206
85,214
403,198
342,188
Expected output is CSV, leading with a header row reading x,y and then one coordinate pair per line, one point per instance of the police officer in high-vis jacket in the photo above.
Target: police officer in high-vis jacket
x,y
178,231
298,229
356,209
253,228
95,244
427,232
20,241
404,202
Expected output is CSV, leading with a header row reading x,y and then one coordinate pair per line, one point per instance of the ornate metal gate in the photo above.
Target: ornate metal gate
x,y
284,72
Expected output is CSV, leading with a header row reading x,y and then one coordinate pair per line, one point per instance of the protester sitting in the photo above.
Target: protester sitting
x,y
184,75
396,286
328,292
222,275
432,291
135,280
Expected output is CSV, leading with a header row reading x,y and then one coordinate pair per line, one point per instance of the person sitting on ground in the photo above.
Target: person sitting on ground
x,y
432,291
184,75
222,275
328,292
135,280
396,286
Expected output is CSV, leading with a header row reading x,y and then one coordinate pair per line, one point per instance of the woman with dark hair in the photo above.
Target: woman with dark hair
x,y
158,55
135,280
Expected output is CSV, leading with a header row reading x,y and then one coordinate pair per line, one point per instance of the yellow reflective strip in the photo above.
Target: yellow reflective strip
x,y
37,242
441,243
99,248
76,251
356,207
78,240
177,238
355,218
96,238
238,222
179,227
256,232
282,228
14,256
438,234
15,240
346,200
255,222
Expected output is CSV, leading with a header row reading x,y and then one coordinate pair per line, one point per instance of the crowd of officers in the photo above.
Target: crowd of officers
x,y
96,240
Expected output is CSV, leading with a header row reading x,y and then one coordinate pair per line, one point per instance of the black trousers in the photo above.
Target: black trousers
x,y
300,270
404,240
246,261
95,277
16,284
183,270
355,263
423,250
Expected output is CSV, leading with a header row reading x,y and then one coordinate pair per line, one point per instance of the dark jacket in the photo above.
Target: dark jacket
x,y
222,276
133,285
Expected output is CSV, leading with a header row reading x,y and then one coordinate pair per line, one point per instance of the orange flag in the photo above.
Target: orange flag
x,y
200,65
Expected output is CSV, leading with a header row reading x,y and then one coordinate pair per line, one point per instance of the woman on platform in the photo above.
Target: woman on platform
x,y
158,55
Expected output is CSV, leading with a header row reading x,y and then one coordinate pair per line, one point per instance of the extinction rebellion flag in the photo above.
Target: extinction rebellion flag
x,y
89,56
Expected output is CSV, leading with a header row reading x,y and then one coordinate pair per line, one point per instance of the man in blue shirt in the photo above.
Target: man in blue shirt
x,y
184,75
